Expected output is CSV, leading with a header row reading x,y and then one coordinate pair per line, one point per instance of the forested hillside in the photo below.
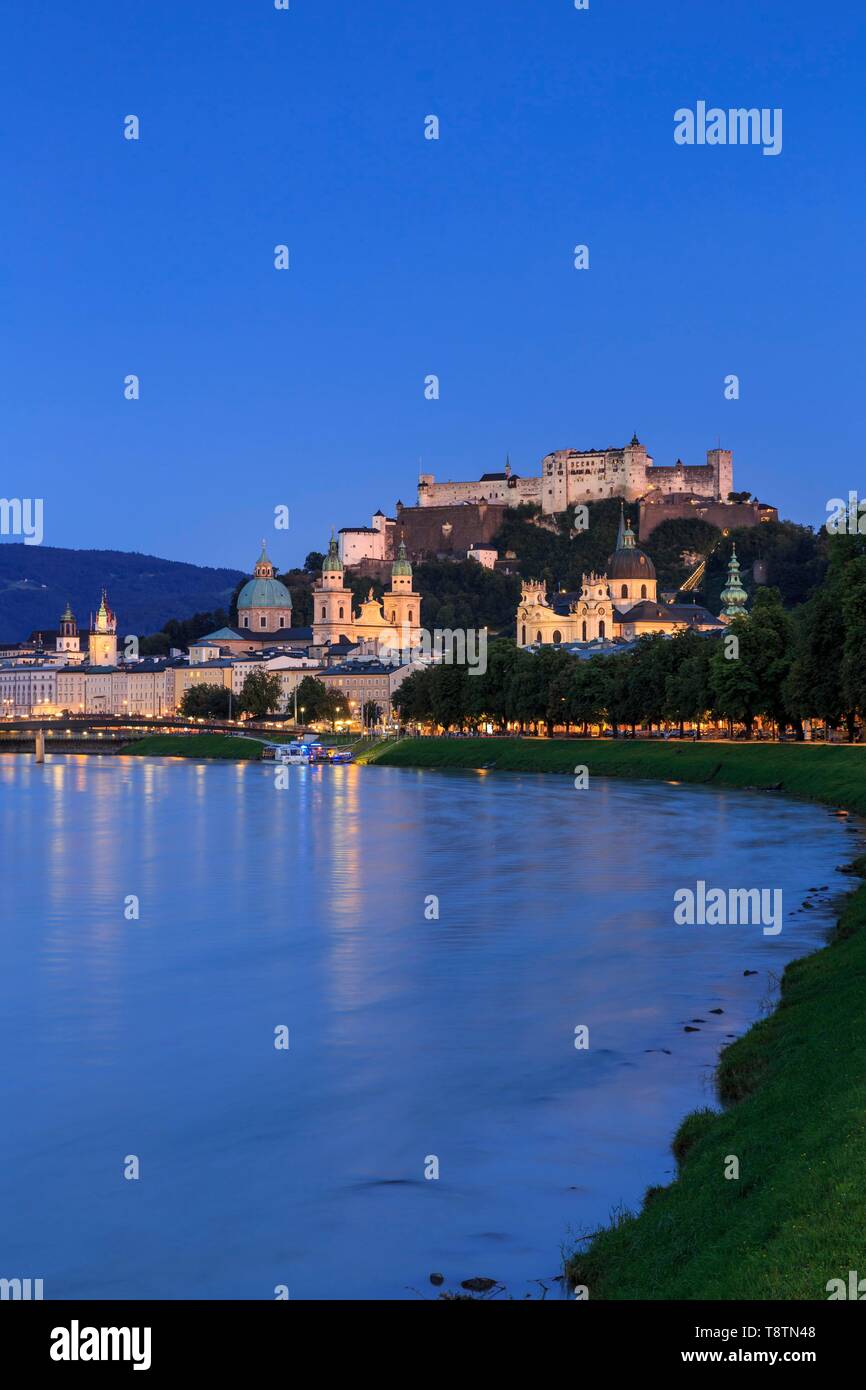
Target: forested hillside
x,y
37,581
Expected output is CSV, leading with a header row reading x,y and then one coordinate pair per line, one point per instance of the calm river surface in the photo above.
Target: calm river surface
x,y
409,1037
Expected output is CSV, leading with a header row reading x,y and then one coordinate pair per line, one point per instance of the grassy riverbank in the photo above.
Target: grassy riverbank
x,y
207,745
193,746
835,775
794,1085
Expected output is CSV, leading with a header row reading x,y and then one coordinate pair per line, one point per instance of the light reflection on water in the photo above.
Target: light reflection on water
x,y
409,1037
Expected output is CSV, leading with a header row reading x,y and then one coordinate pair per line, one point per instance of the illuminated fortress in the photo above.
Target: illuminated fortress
x,y
570,476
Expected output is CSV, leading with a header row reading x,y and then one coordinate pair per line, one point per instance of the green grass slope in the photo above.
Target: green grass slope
x,y
794,1219
835,775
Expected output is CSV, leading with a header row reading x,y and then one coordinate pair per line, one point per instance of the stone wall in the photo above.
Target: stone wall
x,y
431,531
725,515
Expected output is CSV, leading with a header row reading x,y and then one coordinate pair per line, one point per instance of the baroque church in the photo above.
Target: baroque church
x,y
394,621
620,603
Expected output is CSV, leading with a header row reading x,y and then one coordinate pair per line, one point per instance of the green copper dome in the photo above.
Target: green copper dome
x,y
264,590
264,593
401,565
332,559
733,595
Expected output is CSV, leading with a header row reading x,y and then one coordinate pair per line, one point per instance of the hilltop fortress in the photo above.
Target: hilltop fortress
x,y
458,520
570,476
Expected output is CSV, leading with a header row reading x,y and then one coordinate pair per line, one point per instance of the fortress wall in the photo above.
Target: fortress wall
x,y
432,530
510,492
725,515
571,476
700,480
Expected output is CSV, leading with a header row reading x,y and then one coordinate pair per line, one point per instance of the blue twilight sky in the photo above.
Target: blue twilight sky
x,y
410,257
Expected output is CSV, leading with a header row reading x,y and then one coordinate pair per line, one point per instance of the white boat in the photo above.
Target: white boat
x,y
300,752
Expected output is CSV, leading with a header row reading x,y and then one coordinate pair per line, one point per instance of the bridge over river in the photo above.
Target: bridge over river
x,y
98,735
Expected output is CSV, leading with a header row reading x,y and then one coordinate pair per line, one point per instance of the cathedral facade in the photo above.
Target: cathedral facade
x,y
392,622
620,603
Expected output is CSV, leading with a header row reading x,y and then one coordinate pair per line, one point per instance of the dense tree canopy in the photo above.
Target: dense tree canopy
x,y
261,694
319,704
180,632
465,595
206,701
769,665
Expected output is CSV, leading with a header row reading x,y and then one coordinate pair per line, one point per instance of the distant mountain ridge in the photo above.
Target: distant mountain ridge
x,y
37,581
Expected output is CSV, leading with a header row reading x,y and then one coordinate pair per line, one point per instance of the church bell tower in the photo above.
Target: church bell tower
x,y
332,601
69,641
103,636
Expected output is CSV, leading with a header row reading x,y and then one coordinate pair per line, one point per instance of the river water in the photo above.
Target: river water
x,y
415,1040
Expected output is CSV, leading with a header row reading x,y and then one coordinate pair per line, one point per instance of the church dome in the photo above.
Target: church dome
x,y
264,593
264,590
627,562
332,559
630,564
401,565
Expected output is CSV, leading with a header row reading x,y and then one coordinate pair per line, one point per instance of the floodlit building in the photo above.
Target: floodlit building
x,y
622,602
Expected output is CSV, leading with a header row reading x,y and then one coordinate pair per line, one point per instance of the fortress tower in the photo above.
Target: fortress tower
x,y
721,461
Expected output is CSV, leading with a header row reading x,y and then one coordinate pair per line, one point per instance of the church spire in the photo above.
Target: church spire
x,y
733,595
401,565
620,535
264,569
332,559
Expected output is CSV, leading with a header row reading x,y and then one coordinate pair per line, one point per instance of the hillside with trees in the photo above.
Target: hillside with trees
x,y
790,665
37,581
794,557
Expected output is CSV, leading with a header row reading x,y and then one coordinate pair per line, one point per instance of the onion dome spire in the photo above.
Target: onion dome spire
x,y
401,565
734,596
332,559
